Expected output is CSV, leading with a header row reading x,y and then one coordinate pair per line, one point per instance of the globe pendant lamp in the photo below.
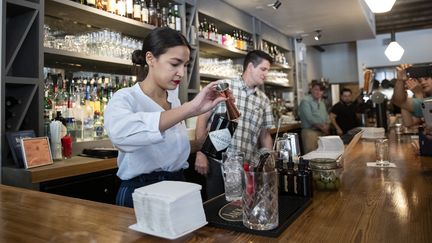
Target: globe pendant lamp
x,y
394,51
380,6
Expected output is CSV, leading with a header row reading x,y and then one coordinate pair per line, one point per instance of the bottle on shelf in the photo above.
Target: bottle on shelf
x,y
152,14
171,17
164,17
99,4
91,3
112,6
144,12
121,8
178,20
137,10
158,15
129,8
98,126
88,119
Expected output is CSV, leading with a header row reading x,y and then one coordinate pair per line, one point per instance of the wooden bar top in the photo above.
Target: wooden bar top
x,y
372,205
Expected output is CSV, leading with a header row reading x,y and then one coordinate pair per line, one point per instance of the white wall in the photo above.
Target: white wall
x,y
314,64
339,63
417,45
226,13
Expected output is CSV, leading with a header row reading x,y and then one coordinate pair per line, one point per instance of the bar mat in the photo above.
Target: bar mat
x,y
290,207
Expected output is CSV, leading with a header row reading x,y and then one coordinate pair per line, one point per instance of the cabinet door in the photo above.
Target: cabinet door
x,y
99,186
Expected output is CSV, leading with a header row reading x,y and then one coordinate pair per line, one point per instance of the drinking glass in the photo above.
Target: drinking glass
x,y
232,169
382,152
260,200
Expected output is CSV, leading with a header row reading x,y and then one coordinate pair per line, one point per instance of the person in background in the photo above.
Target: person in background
x,y
145,121
256,117
413,105
314,117
409,120
343,114
400,96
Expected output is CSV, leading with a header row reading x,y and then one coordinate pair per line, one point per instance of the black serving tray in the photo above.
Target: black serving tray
x,y
290,207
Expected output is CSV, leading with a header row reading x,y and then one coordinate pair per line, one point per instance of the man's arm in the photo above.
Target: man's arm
x,y
400,97
201,161
333,121
265,139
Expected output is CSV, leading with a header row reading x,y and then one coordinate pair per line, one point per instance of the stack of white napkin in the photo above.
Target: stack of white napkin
x,y
329,147
169,208
373,132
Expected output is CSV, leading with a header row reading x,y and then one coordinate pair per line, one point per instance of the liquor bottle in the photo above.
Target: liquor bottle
x,y
98,126
144,12
104,5
129,8
158,15
222,128
171,17
164,18
88,119
99,4
178,22
137,10
91,3
112,6
121,8
205,29
152,14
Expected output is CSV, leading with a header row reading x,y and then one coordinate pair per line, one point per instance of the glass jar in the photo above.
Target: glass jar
x,y
326,174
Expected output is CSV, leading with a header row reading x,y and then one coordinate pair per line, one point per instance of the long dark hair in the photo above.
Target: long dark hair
x,y
158,41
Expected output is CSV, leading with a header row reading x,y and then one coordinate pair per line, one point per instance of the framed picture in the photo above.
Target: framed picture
x,y
14,141
36,152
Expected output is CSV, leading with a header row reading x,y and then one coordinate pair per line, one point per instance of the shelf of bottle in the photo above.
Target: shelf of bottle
x,y
211,49
286,85
82,61
87,15
280,66
211,77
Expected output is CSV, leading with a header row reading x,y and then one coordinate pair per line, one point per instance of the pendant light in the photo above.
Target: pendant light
x,y
394,51
380,6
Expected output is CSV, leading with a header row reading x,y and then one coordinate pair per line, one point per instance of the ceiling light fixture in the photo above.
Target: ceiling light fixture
x,y
317,36
394,51
275,5
380,6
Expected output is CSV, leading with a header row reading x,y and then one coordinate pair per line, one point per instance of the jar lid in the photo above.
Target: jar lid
x,y
323,164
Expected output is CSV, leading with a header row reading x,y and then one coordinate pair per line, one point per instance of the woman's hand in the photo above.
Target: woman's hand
x,y
206,99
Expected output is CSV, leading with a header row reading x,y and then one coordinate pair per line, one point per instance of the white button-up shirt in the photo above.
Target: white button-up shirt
x,y
132,122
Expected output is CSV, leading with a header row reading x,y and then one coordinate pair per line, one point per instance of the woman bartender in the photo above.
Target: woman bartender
x,y
145,121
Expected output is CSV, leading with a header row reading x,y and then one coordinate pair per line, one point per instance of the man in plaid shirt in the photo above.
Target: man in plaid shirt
x,y
256,117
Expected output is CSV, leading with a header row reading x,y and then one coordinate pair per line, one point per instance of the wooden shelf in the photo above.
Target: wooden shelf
x,y
75,12
81,61
211,49
212,77
278,84
280,66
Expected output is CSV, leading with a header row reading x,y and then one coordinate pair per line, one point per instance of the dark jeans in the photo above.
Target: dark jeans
x,y
127,187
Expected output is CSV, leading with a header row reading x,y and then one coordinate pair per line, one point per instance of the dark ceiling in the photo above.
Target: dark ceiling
x,y
405,15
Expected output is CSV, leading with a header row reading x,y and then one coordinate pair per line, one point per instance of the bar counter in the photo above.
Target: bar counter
x,y
78,165
372,205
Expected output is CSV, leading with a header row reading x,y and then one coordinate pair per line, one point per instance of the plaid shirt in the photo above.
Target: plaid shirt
x,y
256,114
